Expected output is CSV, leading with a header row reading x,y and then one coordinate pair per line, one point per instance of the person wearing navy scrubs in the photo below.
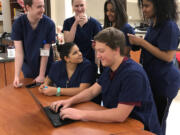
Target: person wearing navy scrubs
x,y
31,32
115,15
158,51
81,29
72,74
124,85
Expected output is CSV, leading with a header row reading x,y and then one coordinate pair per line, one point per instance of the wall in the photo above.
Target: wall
x,y
95,8
6,16
58,11
133,12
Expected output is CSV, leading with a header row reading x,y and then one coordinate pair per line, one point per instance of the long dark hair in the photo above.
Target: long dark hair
x,y
163,9
65,49
120,13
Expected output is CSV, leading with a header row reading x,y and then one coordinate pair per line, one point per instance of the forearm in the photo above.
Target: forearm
x,y
70,35
119,114
44,61
70,91
18,63
162,55
108,115
86,95
74,90
43,64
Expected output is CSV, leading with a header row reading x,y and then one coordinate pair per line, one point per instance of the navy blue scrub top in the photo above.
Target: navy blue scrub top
x,y
84,73
32,41
130,84
84,35
164,76
127,29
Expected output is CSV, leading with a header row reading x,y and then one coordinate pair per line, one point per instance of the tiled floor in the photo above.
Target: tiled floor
x,y
173,120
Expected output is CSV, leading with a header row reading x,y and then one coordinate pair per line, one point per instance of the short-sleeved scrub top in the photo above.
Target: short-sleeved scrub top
x,y
85,73
164,76
130,85
84,35
33,40
127,29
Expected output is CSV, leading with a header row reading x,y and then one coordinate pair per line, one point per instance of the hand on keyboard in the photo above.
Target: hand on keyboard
x,y
54,111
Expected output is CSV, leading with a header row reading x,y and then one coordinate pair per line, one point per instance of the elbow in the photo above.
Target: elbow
x,y
169,59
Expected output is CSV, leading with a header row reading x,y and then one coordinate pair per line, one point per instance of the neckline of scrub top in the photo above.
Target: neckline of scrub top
x,y
112,74
29,24
72,76
88,18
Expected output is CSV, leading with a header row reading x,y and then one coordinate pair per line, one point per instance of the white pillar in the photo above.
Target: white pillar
x,y
6,16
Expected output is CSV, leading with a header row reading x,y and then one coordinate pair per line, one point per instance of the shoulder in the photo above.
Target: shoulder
x,y
169,25
69,20
47,21
131,68
57,64
94,21
86,63
20,20
127,28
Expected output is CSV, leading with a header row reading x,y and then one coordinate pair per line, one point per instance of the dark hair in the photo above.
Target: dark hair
x,y
163,9
120,13
28,2
65,49
113,38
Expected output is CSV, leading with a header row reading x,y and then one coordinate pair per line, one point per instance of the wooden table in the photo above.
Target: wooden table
x,y
20,115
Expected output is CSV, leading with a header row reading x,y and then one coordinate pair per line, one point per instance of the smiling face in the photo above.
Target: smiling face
x,y
75,56
105,54
110,12
148,9
36,11
79,6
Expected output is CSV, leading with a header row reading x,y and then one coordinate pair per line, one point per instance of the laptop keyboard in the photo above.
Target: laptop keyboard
x,y
55,118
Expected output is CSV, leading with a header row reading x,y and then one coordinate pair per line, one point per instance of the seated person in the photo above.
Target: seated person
x,y
69,75
124,86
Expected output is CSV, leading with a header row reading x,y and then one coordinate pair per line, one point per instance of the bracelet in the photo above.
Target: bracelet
x,y
58,93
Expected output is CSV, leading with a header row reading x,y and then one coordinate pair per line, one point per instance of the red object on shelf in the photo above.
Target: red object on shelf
x,y
178,57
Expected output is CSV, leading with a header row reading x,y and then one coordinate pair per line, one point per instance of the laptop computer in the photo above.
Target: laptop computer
x,y
52,116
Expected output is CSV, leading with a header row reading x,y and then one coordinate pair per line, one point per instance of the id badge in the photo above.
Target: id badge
x,y
44,52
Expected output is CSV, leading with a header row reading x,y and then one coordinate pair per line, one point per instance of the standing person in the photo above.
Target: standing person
x,y
33,33
124,86
115,16
70,74
158,50
81,29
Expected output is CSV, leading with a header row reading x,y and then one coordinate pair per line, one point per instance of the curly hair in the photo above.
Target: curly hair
x,y
65,49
